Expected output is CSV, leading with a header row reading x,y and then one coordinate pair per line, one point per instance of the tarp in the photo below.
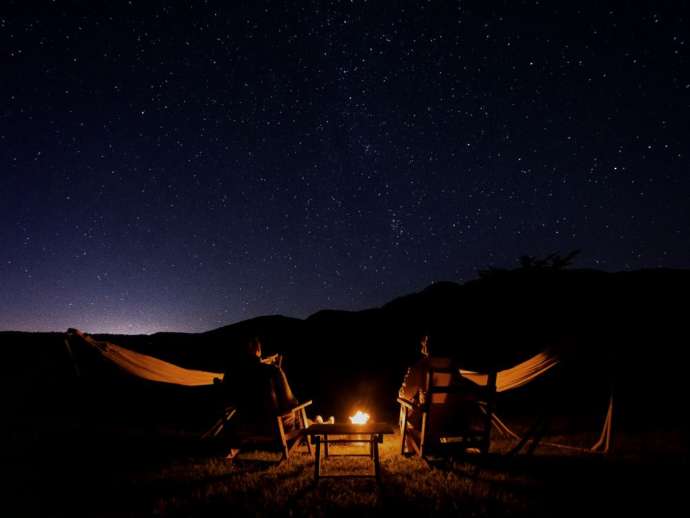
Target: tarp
x,y
144,366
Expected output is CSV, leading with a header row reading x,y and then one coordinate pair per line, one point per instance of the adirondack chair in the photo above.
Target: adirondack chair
x,y
276,435
257,426
451,416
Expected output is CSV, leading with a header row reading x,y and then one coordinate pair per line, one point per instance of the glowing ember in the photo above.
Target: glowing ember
x,y
359,418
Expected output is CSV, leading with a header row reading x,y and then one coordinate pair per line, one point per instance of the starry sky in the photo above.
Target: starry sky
x,y
183,166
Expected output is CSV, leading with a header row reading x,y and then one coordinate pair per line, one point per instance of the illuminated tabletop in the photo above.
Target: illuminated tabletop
x,y
370,433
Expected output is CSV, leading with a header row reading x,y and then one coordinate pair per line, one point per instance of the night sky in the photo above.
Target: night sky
x,y
183,167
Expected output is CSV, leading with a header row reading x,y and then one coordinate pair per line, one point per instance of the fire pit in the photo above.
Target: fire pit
x,y
359,418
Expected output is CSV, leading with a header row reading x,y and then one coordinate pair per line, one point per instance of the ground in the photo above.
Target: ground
x,y
145,475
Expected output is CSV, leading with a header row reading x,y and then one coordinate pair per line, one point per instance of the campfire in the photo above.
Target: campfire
x,y
359,418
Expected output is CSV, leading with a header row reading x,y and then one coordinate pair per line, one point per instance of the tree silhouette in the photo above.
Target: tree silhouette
x,y
551,262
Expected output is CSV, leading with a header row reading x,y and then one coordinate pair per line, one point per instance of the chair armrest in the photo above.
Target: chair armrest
x,y
300,407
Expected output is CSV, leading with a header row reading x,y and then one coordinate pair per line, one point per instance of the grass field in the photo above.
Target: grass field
x,y
126,474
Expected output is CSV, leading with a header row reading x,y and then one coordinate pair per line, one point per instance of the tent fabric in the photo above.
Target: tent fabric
x,y
147,367
522,374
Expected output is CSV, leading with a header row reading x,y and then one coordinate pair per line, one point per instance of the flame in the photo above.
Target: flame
x,y
359,418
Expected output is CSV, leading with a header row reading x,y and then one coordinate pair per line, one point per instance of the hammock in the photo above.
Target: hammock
x,y
153,369
522,374
519,375
144,366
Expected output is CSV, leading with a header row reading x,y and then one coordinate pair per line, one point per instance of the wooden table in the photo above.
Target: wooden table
x,y
373,435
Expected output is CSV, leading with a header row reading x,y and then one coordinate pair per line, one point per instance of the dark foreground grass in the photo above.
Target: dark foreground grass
x,y
254,484
145,474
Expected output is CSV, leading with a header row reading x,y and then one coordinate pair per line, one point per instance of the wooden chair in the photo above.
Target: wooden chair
x,y
447,395
261,429
286,440
290,440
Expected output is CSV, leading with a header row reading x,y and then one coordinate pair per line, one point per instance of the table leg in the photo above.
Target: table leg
x,y
377,467
305,425
317,460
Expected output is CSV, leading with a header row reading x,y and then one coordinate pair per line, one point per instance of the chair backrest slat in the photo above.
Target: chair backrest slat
x,y
441,381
